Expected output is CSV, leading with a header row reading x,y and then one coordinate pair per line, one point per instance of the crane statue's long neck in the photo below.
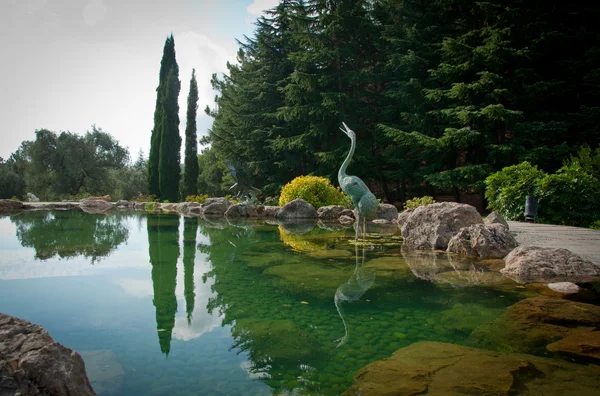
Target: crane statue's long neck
x,y
342,172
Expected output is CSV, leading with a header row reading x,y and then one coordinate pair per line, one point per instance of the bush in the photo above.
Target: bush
x,y
145,198
506,190
201,198
571,196
416,202
316,190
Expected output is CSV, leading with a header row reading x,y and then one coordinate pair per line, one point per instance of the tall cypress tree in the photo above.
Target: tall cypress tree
x,y
170,144
166,64
190,175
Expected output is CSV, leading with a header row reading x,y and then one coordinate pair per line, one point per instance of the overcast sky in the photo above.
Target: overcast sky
x,y
68,64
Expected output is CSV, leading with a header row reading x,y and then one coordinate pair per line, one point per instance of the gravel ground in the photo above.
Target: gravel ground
x,y
583,241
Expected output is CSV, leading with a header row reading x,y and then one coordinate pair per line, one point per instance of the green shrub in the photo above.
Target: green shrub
x,y
271,201
595,225
506,190
316,190
234,200
150,206
416,202
571,196
201,198
15,198
145,198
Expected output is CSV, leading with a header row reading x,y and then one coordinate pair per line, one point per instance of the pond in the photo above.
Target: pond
x,y
161,304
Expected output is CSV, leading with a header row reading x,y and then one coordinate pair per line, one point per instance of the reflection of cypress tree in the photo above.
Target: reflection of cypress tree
x,y
190,229
163,241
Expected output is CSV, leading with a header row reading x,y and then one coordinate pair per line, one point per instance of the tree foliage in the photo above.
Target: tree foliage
x,y
190,172
440,93
165,142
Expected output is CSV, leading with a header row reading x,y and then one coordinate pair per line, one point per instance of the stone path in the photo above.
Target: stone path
x,y
583,241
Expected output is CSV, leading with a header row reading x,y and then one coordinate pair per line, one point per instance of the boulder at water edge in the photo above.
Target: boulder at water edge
x,y
32,363
96,206
482,240
432,226
215,206
547,265
333,212
437,368
387,212
297,209
8,206
496,218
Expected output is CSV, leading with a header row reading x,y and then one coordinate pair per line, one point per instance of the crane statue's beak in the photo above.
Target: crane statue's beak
x,y
347,130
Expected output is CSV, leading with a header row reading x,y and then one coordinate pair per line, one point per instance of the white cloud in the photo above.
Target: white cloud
x,y
259,6
94,12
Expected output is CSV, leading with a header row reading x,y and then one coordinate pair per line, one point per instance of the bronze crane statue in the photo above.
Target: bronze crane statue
x,y
362,198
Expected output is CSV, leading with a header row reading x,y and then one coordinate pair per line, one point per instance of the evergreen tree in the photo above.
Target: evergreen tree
x,y
167,63
170,140
190,174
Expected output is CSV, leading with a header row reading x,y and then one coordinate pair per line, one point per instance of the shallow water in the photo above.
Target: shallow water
x,y
161,304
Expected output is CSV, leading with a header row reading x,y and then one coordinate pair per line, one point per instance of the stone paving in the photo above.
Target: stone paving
x,y
583,241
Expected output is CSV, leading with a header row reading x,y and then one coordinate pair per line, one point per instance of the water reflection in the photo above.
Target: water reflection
x,y
361,280
70,233
163,249
190,230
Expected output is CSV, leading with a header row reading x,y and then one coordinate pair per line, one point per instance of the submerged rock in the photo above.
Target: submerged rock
x,y
32,363
537,264
432,226
482,240
104,371
531,325
447,369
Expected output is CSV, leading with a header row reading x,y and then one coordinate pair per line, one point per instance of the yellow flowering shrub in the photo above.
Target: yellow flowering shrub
x,y
316,190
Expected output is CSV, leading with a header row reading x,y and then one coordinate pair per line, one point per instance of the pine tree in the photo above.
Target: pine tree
x,y
167,63
170,146
191,170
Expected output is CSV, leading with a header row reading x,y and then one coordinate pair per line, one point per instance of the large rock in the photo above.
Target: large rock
x,y
267,211
482,240
297,209
403,216
548,265
96,206
216,206
496,218
387,212
333,212
241,210
98,198
531,325
8,206
32,363
432,226
436,368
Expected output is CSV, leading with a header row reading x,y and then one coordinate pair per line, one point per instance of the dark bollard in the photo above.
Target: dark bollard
x,y
531,208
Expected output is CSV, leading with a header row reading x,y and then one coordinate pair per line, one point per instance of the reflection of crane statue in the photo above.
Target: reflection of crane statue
x,y
241,174
362,198
360,281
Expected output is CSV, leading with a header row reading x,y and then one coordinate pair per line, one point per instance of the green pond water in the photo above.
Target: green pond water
x,y
167,305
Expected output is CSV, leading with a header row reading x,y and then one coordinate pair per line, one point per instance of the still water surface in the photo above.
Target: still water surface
x,y
167,305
